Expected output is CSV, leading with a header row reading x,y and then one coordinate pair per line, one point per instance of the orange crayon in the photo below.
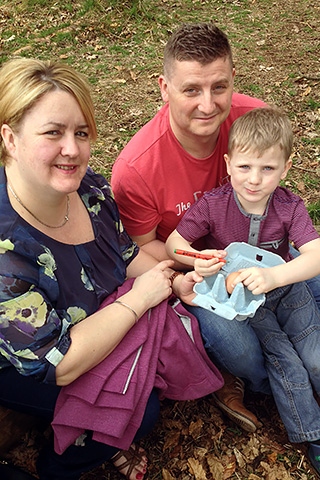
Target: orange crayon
x,y
204,256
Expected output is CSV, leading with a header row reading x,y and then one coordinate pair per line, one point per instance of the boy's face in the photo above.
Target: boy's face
x,y
255,177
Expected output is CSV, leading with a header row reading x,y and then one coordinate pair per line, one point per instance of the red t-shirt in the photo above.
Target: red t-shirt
x,y
155,180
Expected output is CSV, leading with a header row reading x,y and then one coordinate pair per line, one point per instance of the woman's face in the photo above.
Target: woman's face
x,y
52,146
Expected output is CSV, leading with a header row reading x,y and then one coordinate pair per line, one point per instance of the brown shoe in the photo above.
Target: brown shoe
x,y
230,399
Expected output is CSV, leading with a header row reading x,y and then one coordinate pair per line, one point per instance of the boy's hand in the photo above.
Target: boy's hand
x,y
183,286
205,268
257,280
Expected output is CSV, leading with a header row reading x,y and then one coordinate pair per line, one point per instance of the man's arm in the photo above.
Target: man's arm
x,y
150,244
156,248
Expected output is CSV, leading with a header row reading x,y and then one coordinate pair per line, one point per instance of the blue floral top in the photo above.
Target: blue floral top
x,y
47,286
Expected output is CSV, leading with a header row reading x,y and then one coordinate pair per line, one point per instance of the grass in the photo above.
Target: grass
x,y
118,45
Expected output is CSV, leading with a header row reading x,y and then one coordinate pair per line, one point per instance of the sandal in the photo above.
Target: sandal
x,y
132,458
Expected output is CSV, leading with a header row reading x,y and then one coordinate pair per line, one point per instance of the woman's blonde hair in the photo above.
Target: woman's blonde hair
x,y
23,81
259,129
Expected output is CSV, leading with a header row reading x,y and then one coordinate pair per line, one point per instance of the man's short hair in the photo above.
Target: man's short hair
x,y
201,42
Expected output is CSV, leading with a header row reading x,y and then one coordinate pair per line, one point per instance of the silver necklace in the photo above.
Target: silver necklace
x,y
66,217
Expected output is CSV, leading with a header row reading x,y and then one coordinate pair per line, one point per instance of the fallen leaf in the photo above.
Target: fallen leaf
x,y
216,467
166,475
229,470
239,458
195,428
306,92
196,469
172,439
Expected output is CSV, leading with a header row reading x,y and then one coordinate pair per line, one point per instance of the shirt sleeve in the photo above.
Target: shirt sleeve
x,y
302,229
196,222
34,336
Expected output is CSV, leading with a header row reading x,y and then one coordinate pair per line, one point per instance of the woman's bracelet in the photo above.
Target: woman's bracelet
x,y
136,318
173,276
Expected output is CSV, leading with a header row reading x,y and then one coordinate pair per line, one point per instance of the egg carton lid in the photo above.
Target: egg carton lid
x,y
241,304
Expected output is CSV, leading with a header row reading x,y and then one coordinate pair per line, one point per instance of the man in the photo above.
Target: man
x,y
171,162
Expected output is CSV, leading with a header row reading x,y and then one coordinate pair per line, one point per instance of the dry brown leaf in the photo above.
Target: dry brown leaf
x,y
195,428
166,475
239,457
200,453
216,467
229,470
251,449
276,472
196,469
133,75
306,92
272,457
172,439
301,186
22,49
271,444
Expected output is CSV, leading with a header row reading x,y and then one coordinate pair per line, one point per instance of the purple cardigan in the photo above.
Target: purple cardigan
x,y
159,351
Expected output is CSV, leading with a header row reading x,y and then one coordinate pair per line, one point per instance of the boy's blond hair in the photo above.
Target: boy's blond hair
x,y
259,129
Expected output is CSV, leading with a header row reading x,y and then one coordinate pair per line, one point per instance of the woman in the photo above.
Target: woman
x,y
64,260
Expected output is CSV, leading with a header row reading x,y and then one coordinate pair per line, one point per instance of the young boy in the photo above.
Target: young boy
x,y
253,208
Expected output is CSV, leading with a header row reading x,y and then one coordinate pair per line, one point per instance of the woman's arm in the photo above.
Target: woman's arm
x,y
95,337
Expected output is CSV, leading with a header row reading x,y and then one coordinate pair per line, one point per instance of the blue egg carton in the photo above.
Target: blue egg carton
x,y
241,304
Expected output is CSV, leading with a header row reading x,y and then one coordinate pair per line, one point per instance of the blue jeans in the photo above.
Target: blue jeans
x,y
233,346
288,327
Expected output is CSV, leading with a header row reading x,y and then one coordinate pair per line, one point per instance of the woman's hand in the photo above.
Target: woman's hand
x,y
153,286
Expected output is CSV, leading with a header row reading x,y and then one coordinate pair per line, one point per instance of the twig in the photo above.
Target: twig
x,y
307,77
304,169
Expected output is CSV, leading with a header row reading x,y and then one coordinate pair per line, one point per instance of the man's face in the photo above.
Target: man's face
x,y
199,98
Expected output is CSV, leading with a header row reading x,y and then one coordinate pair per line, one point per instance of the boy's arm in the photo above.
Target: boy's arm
x,y
203,267
148,243
305,266
176,241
